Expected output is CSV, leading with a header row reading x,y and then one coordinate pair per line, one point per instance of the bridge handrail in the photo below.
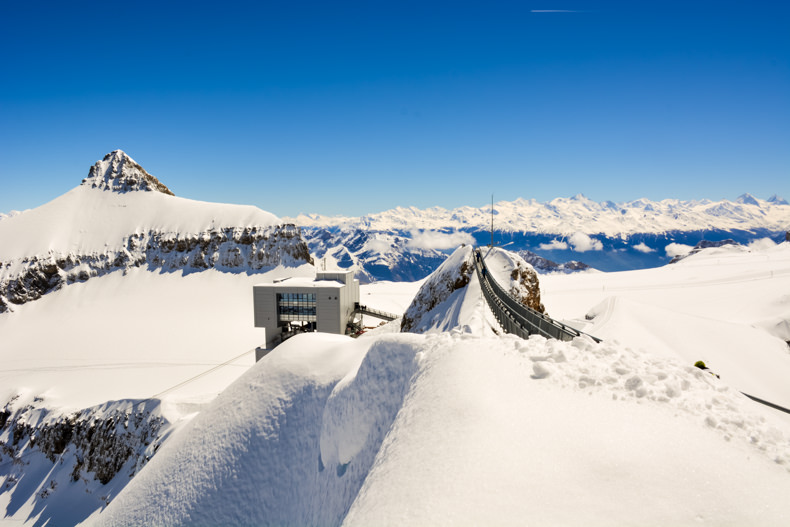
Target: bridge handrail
x,y
515,317
365,310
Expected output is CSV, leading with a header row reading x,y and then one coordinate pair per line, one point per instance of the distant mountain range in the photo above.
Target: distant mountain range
x,y
564,216
402,243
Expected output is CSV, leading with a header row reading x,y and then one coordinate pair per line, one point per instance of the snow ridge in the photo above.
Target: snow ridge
x,y
118,172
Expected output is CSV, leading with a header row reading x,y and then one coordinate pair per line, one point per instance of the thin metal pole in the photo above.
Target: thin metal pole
x,y
492,221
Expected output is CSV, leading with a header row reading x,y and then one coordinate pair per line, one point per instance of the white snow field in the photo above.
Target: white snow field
x,y
727,306
137,334
465,427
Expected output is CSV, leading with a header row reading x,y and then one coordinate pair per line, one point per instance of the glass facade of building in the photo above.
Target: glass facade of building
x,y
293,307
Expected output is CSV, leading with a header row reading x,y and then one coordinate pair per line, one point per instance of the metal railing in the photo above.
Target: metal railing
x,y
365,310
515,317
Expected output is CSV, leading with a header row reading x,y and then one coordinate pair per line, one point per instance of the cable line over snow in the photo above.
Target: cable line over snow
x,y
513,316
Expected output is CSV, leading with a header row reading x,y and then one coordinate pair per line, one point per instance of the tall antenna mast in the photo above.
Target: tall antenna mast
x,y
492,220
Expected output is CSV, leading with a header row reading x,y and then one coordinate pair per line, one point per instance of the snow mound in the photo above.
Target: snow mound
x,y
289,443
118,172
451,277
450,298
515,276
441,429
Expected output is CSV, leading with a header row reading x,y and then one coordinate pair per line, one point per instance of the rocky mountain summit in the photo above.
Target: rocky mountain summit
x,y
122,217
118,172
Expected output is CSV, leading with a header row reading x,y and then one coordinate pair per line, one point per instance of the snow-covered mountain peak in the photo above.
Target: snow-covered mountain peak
x,y
747,199
120,173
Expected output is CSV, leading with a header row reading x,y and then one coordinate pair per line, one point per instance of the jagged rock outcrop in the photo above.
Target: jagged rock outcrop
x,y
510,270
525,287
118,172
92,444
232,249
452,275
544,265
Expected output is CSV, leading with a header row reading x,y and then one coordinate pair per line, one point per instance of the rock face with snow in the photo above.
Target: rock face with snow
x,y
120,173
122,217
451,276
514,274
87,455
544,265
373,255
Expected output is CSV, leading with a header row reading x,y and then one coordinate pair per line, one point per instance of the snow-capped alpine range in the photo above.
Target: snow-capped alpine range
x,y
510,388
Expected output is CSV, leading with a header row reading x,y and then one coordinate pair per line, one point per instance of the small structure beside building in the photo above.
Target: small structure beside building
x,y
293,305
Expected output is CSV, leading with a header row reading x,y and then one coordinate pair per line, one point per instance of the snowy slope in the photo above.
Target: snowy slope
x,y
121,217
445,429
450,299
462,426
123,310
727,306
579,214
91,219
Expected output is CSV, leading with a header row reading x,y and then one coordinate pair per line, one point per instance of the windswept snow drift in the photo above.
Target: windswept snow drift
x,y
448,428
727,306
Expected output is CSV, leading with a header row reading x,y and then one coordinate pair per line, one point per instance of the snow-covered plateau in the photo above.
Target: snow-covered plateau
x,y
130,395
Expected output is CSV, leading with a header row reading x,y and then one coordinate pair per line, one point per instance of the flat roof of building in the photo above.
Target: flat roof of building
x,y
301,281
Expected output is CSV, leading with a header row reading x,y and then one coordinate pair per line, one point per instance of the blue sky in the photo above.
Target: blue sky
x,y
355,107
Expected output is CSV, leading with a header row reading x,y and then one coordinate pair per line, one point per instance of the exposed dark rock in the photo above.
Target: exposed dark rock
x,y
233,249
544,265
449,277
102,439
118,172
527,288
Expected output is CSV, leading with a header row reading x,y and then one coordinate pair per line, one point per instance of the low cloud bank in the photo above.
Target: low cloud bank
x,y
644,248
677,249
439,240
583,243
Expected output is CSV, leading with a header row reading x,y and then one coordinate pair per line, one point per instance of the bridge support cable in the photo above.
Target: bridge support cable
x,y
515,317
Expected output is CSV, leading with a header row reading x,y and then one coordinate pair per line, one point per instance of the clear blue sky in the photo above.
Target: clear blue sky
x,y
343,107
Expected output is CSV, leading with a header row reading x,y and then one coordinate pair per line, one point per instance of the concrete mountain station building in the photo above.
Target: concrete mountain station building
x,y
329,304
